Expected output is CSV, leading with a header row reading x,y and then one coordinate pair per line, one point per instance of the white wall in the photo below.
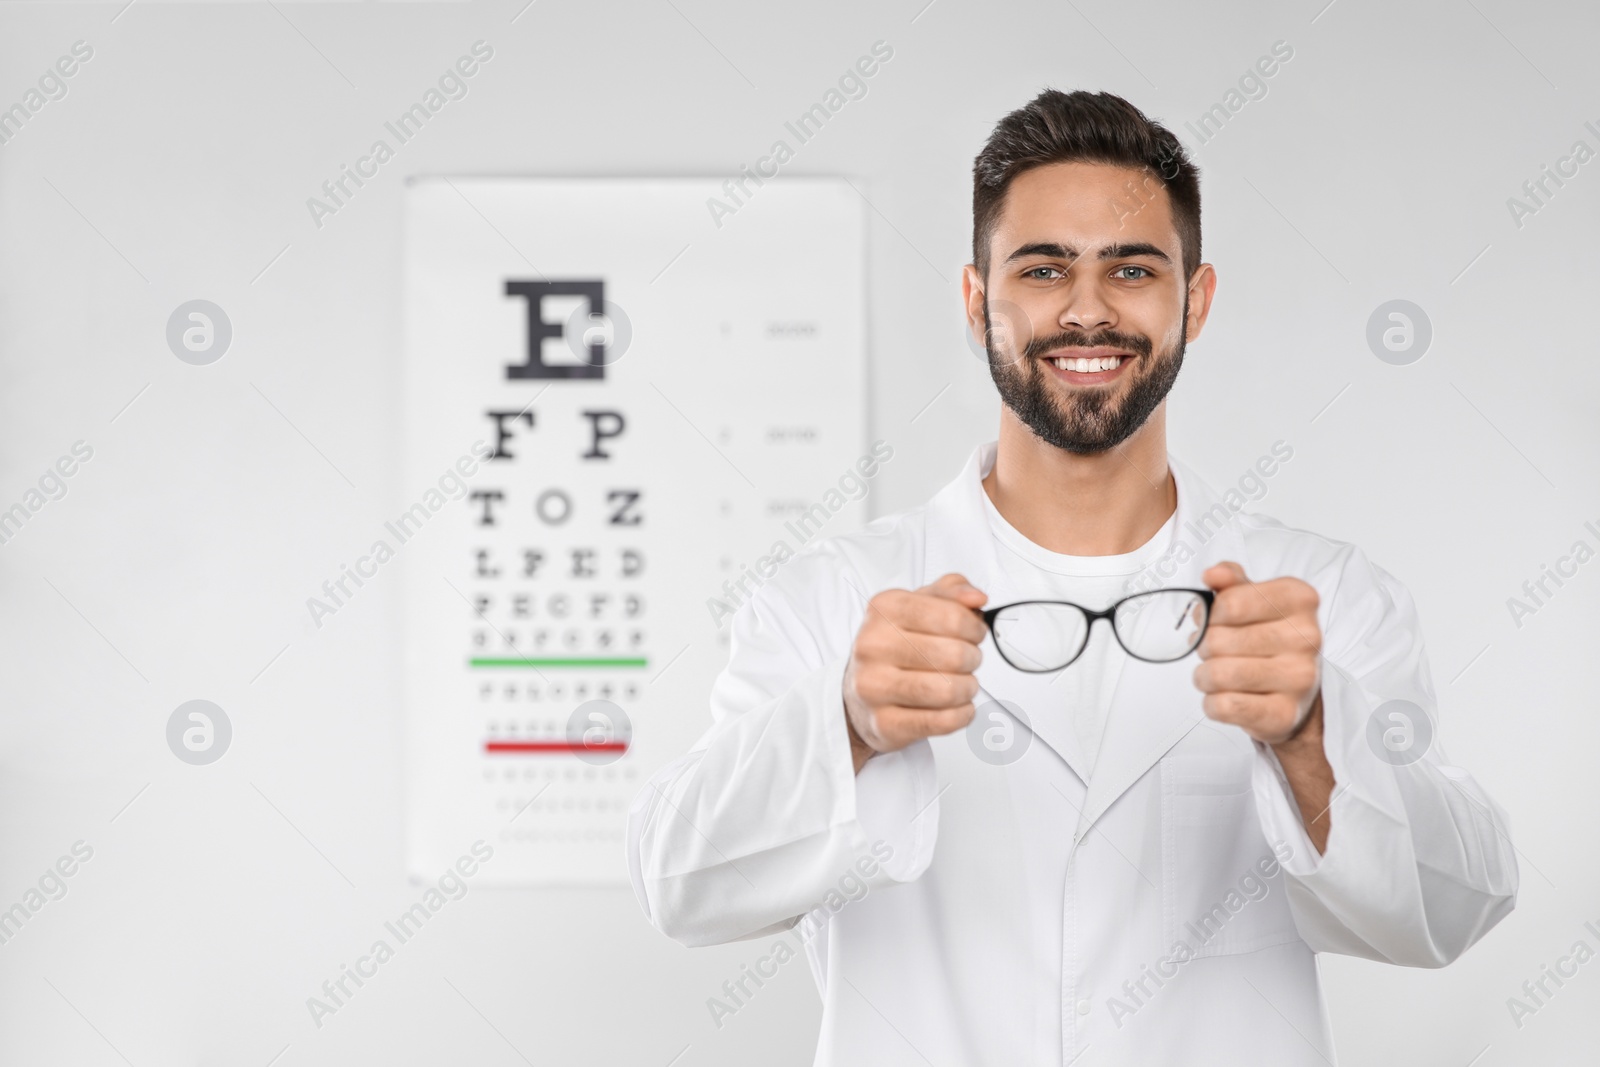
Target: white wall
x,y
177,166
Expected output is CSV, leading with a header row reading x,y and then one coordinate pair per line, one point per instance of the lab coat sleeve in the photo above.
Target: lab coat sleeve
x,y
764,819
1419,863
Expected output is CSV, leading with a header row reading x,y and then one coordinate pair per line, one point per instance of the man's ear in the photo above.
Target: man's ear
x,y
972,297
1202,287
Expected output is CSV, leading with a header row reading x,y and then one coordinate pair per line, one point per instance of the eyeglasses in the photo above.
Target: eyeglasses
x,y
1158,626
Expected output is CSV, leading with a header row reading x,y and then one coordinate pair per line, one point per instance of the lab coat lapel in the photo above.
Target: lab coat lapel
x,y
1156,705
958,540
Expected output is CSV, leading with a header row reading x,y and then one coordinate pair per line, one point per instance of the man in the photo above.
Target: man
x,y
1028,838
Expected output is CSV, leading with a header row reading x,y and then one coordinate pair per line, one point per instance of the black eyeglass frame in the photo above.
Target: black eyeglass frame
x,y
1208,596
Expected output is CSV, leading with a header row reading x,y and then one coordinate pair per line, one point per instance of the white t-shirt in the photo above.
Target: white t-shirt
x,y
1087,685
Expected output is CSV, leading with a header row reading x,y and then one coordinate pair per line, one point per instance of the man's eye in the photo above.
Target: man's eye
x,y
1034,273
1132,267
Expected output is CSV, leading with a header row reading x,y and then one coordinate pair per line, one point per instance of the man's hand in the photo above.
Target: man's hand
x,y
1260,666
910,670
1261,670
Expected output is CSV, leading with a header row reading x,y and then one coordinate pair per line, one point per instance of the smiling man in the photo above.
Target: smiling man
x,y
1078,843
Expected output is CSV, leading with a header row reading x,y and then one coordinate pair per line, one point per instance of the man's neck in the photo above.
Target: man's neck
x,y
1104,504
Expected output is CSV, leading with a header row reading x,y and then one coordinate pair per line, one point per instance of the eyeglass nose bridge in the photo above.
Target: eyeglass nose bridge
x,y
1108,614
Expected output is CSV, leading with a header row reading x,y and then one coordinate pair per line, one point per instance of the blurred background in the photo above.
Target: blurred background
x,y
1399,153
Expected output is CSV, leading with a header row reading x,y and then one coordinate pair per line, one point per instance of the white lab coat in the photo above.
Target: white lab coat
x,y
1022,914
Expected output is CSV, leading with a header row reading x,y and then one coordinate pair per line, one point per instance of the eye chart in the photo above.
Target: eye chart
x,y
619,398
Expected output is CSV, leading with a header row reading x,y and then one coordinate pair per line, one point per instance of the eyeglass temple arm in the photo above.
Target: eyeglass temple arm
x,y
1207,596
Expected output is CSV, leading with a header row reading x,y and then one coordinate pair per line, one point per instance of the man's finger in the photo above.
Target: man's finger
x,y
930,614
1249,711
1254,674
1252,602
912,724
1259,639
933,689
917,651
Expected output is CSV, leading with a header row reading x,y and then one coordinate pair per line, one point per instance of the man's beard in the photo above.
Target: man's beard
x,y
1089,419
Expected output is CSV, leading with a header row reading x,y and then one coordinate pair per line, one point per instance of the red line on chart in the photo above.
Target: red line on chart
x,y
554,746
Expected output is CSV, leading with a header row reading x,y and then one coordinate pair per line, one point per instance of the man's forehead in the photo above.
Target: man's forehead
x,y
1085,206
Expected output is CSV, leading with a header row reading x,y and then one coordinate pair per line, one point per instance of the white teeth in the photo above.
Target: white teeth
x,y
1086,366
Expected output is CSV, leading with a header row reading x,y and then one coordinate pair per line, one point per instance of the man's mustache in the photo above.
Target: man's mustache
x,y
1136,343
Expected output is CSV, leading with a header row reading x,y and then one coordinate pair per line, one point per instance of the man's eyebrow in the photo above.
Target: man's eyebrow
x,y
1113,251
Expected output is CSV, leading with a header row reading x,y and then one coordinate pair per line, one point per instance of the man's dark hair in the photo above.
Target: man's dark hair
x,y
1082,127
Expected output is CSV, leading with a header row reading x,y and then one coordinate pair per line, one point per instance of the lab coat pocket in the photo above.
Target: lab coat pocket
x,y
1222,888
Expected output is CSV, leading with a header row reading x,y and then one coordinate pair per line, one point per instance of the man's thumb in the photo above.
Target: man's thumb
x,y
957,588
1222,575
